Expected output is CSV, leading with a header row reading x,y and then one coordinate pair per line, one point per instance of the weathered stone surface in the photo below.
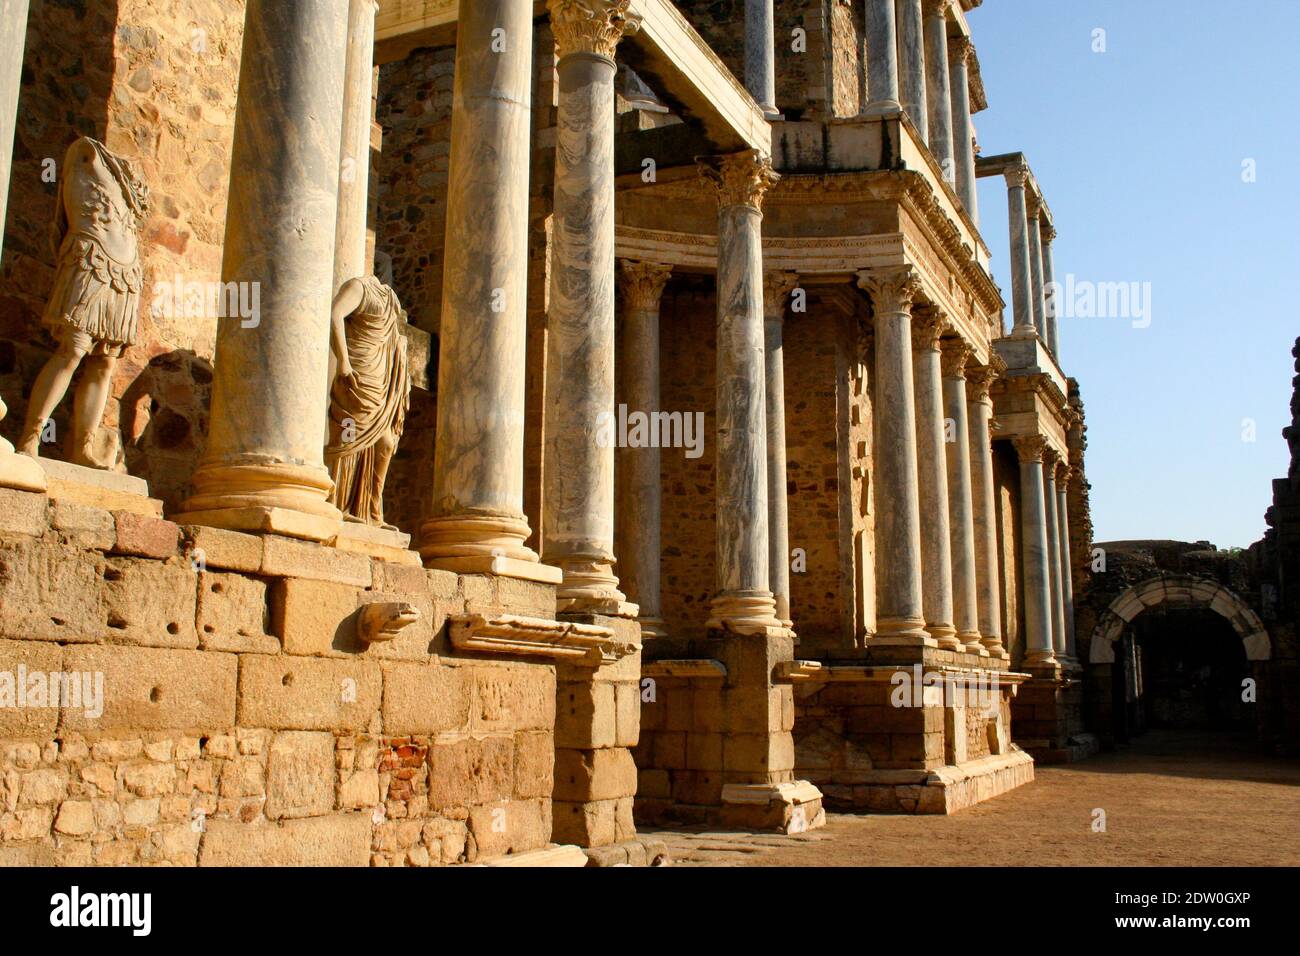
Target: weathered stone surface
x,y
50,593
232,614
427,698
145,537
286,557
83,526
300,693
341,839
23,512
471,770
315,617
217,548
151,603
300,775
26,722
156,689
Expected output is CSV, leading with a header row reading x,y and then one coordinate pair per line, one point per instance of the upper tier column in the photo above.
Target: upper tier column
x,y
984,494
961,518
264,465
579,475
932,474
744,600
938,92
777,286
476,520
900,616
1048,236
1063,472
1036,268
350,259
760,55
1034,553
911,64
882,57
13,39
638,473
960,51
1018,225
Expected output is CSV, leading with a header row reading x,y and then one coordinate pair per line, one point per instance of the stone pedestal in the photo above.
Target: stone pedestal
x,y
936,536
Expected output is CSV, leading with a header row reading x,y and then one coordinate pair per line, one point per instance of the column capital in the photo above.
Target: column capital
x,y
740,179
776,286
891,290
960,49
979,380
591,26
935,8
1017,175
1029,448
928,327
956,353
1050,460
1063,473
1048,232
642,283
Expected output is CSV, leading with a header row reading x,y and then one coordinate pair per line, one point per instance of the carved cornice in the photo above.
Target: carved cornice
x,y
956,353
741,179
891,290
776,287
591,26
642,283
928,327
583,644
1029,448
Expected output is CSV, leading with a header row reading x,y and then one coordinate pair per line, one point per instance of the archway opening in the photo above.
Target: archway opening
x,y
1193,667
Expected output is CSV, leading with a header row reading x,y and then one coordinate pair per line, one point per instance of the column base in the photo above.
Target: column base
x,y
476,535
945,635
589,586
972,643
994,647
883,108
271,498
902,632
1040,658
744,612
794,807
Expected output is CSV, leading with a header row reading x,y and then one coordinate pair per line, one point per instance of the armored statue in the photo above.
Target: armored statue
x,y
369,398
95,301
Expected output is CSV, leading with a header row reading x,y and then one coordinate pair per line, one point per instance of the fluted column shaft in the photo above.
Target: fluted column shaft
x,y
1048,235
911,64
776,287
1063,534
1036,270
350,258
900,615
1050,461
882,57
476,511
961,517
960,50
578,527
744,598
760,54
1018,225
938,93
264,468
638,471
984,496
1034,551
13,39
932,472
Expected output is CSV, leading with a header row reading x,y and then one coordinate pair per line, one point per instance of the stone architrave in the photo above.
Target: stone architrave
x,y
1037,574
961,518
369,398
94,304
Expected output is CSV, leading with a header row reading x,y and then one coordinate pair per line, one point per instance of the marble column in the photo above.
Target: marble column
x,y
961,517
1048,236
1018,224
13,39
1063,534
476,520
744,601
578,527
911,65
932,473
938,93
960,51
882,58
264,469
1050,461
638,472
1039,650
1036,268
760,55
777,286
900,616
354,158
984,495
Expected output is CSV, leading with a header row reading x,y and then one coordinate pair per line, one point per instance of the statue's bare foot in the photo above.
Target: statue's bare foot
x,y
88,457
30,446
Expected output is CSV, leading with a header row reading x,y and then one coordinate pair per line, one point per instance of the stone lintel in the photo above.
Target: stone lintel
x,y
582,644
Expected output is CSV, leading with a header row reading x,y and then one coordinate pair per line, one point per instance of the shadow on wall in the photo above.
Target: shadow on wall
x,y
164,422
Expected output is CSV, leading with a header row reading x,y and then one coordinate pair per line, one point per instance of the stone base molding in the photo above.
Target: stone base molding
x,y
271,498
585,644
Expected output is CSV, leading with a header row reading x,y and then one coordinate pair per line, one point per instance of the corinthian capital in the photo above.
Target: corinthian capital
x,y
956,353
1016,175
891,290
1029,447
935,8
960,49
978,382
591,26
642,283
741,179
1063,474
928,327
776,286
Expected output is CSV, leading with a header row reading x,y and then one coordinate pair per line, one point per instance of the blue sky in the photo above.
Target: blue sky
x,y
1140,153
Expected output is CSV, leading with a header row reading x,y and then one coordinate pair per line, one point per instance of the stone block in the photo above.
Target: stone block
x,y
341,839
534,764
219,549
426,698
758,753
404,579
585,715
303,693
627,714
155,689
149,602
145,537
50,593
586,823
18,723
653,784
512,697
529,598
232,614
594,774
315,618
467,771
513,827
300,775
83,526
23,512
290,558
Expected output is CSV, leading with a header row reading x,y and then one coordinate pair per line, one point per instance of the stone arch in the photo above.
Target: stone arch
x,y
1178,591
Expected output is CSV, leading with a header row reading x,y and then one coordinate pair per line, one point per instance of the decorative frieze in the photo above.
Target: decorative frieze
x,y
584,644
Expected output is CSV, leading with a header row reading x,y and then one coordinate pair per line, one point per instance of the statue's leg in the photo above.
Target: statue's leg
x,y
88,410
384,451
51,385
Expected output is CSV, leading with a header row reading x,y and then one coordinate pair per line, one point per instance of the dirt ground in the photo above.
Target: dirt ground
x,y
1170,798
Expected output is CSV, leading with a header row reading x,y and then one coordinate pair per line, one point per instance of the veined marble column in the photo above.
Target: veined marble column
x,y
1034,551
354,158
1048,236
938,93
1036,269
900,616
1018,224
579,476
776,287
1063,534
264,466
984,495
477,522
932,472
638,473
760,55
960,50
882,58
13,39
961,517
744,600
1050,461
911,65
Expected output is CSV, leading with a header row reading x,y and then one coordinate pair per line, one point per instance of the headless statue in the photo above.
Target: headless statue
x,y
95,301
369,398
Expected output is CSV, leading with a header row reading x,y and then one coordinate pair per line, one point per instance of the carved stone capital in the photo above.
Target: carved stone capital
x,y
1016,176
960,49
1029,447
1063,474
741,179
935,8
642,283
1033,208
776,287
956,353
927,329
978,382
1050,461
591,26
891,290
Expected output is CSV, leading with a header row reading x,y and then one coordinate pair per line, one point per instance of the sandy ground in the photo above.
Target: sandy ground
x,y
1171,798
